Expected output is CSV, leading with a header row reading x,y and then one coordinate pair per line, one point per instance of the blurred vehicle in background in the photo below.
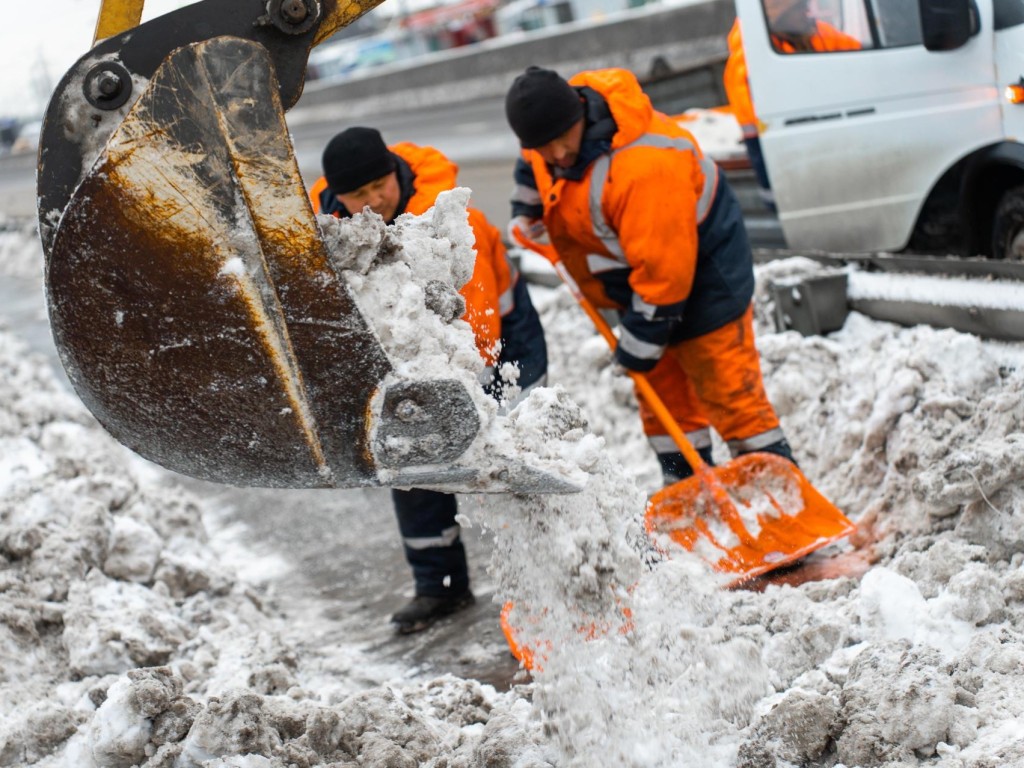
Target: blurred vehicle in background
x,y
27,137
454,25
9,127
341,59
528,15
404,37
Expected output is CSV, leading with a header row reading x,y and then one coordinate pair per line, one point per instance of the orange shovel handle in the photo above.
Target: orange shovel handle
x,y
643,386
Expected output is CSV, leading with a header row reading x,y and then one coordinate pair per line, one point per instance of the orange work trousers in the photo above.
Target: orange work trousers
x,y
714,380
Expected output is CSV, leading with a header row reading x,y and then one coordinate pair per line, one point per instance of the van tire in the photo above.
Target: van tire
x,y
1008,226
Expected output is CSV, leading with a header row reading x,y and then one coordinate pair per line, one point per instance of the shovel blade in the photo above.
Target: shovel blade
x,y
750,516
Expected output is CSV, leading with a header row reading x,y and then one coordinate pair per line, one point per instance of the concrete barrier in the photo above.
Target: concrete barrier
x,y
653,43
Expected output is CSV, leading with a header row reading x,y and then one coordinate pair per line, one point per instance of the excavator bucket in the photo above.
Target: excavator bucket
x,y
750,516
191,297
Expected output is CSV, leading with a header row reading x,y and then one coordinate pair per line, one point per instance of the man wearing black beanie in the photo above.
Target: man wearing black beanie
x,y
361,171
541,106
623,196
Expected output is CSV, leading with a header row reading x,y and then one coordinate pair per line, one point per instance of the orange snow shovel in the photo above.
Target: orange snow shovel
x,y
747,517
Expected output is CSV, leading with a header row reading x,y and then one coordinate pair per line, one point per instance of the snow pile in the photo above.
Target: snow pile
x,y
125,642
717,132
406,278
917,434
942,291
155,656
573,564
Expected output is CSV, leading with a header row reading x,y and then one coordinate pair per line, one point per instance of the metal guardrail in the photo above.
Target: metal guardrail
x,y
948,266
652,42
818,304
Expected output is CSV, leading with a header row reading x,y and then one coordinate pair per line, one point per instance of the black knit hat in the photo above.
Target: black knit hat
x,y
541,106
355,157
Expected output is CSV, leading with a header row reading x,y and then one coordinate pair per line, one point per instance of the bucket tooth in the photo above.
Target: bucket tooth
x,y
426,422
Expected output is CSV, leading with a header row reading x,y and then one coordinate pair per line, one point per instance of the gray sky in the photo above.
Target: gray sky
x,y
34,55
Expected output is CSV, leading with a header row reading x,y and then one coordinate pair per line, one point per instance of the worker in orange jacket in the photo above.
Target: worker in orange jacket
x,y
792,30
361,171
646,225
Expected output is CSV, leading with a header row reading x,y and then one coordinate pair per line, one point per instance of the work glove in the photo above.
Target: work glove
x,y
529,227
649,339
532,235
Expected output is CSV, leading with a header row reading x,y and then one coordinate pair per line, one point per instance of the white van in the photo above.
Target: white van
x,y
912,142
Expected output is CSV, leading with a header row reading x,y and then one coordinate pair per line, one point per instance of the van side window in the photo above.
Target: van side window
x,y
898,22
1008,13
817,26
828,26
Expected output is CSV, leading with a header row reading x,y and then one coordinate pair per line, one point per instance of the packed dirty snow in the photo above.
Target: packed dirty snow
x,y
717,132
127,641
405,280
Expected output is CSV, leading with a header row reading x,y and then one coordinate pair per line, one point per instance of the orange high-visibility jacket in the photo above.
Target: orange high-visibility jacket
x,y
488,293
737,86
654,185
826,39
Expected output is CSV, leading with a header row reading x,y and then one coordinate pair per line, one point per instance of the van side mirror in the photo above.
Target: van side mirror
x,y
946,24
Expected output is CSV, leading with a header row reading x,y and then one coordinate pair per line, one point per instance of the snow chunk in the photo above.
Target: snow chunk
x,y
133,551
897,702
112,626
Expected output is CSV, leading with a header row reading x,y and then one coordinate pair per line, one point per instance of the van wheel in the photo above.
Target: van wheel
x,y
1008,228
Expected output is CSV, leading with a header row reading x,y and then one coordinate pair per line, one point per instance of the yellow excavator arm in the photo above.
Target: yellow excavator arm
x,y
117,16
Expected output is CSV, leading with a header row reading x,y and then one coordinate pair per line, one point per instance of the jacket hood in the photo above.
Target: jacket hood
x,y
433,174
630,107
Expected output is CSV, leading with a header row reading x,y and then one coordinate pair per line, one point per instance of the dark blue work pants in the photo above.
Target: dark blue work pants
x,y
430,536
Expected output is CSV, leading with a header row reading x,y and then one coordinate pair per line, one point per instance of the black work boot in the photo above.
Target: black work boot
x,y
674,466
424,610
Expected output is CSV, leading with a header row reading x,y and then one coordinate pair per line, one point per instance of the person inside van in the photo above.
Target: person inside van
x,y
793,30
